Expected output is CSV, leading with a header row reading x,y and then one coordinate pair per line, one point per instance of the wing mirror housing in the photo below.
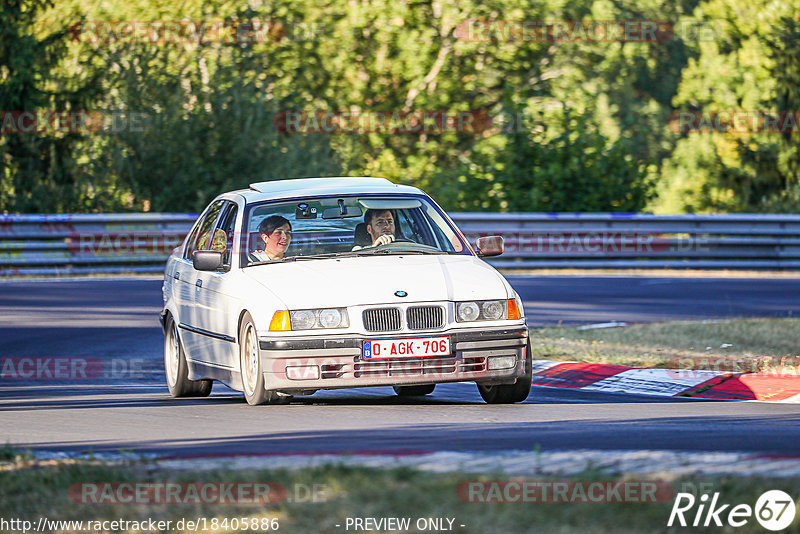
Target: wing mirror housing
x,y
207,260
491,245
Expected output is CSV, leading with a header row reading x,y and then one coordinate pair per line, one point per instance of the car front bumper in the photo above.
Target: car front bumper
x,y
338,361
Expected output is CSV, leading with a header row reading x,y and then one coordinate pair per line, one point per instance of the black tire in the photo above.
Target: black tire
x,y
250,367
177,370
511,393
414,391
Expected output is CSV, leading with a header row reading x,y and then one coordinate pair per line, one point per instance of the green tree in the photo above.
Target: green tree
x,y
751,65
38,170
578,170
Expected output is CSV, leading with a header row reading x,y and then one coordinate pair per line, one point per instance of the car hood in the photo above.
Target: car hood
x,y
365,280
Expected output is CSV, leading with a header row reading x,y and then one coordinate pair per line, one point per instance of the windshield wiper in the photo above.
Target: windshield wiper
x,y
265,262
370,251
317,256
397,251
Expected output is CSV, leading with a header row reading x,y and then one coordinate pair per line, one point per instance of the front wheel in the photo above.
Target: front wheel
x,y
176,368
511,393
250,365
414,391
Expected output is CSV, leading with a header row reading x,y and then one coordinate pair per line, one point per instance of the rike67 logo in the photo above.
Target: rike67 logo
x,y
774,510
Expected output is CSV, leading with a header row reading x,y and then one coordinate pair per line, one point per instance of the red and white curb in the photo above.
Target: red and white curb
x,y
667,382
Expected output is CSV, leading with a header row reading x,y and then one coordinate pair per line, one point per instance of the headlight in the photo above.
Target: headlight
x,y
493,309
319,318
482,310
467,311
330,318
303,320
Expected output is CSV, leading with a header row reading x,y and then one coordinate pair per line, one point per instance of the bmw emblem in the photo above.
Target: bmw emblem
x,y
401,293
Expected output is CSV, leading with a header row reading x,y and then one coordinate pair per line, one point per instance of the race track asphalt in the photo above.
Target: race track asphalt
x,y
104,320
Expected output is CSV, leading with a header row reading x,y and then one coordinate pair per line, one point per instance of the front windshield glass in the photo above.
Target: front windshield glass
x,y
358,225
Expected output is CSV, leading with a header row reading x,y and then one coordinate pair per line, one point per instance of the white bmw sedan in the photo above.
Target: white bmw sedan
x,y
294,286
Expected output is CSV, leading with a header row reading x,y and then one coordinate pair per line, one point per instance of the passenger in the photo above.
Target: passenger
x,y
276,233
380,227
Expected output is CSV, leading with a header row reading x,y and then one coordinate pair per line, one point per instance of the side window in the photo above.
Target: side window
x,y
202,238
187,252
403,226
223,240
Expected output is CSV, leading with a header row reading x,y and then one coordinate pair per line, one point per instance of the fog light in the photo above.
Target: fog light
x,y
302,372
502,362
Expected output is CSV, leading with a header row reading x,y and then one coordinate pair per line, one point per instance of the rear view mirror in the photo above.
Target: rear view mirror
x,y
491,245
207,260
344,212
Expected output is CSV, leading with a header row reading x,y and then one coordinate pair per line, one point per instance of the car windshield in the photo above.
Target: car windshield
x,y
359,225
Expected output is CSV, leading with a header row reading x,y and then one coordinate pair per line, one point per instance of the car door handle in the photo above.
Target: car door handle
x,y
176,276
199,283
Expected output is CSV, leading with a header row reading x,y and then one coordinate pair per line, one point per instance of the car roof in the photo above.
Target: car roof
x,y
334,185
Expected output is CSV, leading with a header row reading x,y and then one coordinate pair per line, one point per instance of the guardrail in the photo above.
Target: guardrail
x,y
625,241
86,244
118,243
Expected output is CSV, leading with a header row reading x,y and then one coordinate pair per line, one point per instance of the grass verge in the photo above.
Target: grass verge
x,y
736,345
30,490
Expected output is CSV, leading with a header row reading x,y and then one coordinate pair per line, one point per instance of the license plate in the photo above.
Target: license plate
x,y
417,347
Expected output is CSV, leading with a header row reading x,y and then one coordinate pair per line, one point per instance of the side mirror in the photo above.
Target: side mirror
x,y
491,245
207,260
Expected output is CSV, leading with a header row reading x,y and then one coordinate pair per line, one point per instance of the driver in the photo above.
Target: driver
x,y
380,226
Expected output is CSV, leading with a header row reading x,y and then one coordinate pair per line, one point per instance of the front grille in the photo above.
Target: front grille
x,y
381,319
404,367
473,365
424,317
332,370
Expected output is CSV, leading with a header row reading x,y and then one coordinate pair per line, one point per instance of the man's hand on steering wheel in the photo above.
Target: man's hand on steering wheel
x,y
385,239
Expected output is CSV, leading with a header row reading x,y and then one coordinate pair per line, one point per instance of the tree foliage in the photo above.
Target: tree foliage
x,y
752,66
40,170
576,124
